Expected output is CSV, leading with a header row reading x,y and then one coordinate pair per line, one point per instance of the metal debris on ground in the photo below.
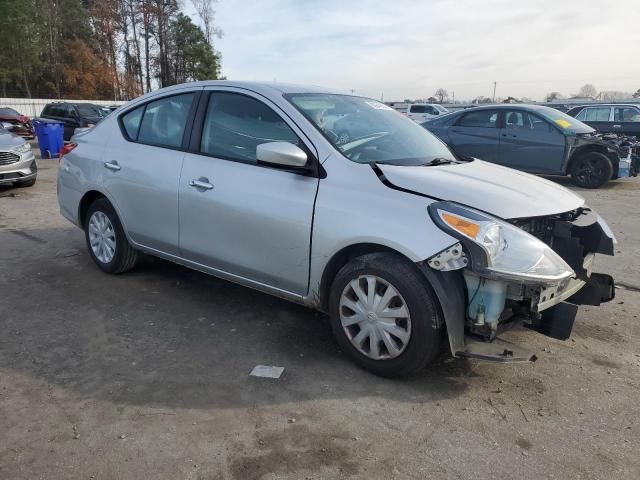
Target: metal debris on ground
x,y
266,371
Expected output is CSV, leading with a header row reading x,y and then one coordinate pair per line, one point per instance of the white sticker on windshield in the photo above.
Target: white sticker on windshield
x,y
379,106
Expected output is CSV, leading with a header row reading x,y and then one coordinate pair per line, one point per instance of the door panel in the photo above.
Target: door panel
x,y
255,221
476,135
145,190
143,179
527,142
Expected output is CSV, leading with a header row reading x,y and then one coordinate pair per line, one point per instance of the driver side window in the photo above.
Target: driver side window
x,y
236,124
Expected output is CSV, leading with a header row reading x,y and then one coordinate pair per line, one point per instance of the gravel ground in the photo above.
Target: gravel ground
x,y
145,375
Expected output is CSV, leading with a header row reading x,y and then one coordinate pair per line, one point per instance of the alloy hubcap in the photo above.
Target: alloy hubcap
x,y
375,317
102,237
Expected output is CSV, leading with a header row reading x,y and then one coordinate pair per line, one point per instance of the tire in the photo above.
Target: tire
x,y
422,330
122,257
591,170
26,183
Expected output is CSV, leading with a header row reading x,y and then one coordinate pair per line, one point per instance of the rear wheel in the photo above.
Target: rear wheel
x,y
384,315
106,240
591,170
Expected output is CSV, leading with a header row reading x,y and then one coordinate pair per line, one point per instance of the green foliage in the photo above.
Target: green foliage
x,y
78,48
193,57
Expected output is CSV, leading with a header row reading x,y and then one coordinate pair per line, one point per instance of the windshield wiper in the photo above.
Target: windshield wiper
x,y
440,161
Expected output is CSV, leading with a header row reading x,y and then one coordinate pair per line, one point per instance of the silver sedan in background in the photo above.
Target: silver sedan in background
x,y
18,164
402,243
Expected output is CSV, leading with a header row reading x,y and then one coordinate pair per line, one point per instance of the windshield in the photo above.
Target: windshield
x,y
568,124
8,111
367,131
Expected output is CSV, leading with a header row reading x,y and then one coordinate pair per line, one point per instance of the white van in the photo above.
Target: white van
x,y
421,112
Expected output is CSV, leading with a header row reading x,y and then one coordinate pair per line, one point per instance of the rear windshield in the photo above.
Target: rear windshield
x,y
566,123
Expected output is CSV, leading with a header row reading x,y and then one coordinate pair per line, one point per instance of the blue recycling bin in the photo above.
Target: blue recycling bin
x,y
50,135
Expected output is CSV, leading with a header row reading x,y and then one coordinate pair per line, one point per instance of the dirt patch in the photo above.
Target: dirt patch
x,y
605,362
597,332
292,450
524,443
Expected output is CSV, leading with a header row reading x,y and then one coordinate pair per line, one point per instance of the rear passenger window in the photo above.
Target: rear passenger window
x,y
236,124
131,122
484,118
164,121
594,114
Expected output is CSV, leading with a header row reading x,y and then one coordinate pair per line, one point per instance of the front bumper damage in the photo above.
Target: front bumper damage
x,y
492,306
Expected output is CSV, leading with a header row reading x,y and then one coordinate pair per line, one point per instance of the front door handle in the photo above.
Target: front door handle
x,y
617,126
201,183
112,165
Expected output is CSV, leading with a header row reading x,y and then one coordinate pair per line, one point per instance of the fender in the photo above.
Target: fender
x,y
450,290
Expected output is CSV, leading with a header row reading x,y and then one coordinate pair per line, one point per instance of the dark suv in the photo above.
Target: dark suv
x,y
73,115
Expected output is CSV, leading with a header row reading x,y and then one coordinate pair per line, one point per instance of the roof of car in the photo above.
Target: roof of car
x,y
256,86
636,105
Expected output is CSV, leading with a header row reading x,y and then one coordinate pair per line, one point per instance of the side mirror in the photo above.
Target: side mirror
x,y
283,154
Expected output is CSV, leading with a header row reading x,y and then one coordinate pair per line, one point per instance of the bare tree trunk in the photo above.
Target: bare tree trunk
x,y
146,20
137,45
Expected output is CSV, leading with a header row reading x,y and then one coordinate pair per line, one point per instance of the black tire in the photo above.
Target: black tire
x,y
125,257
591,170
427,326
26,183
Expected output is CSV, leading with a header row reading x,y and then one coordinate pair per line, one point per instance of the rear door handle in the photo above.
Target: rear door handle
x,y
201,183
113,165
617,126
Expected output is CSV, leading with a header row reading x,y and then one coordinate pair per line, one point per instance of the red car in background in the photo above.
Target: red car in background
x,y
16,123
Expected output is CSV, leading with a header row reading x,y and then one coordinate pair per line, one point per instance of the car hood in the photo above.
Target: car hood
x,y
9,140
500,191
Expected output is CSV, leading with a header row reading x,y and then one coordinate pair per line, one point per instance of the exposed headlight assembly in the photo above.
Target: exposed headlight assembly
x,y
22,149
499,249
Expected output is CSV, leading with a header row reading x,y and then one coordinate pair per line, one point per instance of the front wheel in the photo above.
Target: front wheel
x,y
106,240
384,315
591,170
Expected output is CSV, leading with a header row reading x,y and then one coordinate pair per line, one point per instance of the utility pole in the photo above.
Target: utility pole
x,y
453,97
494,91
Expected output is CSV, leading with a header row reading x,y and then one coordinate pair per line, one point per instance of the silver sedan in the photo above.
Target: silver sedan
x,y
402,243
18,164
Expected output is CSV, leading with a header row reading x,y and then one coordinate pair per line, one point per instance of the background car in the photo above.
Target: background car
x,y
17,162
421,112
531,138
614,118
15,122
73,115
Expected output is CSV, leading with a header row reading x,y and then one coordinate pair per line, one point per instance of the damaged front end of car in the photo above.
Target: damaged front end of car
x,y
526,271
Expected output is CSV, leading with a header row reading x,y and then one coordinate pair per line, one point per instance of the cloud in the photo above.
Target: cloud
x,y
410,48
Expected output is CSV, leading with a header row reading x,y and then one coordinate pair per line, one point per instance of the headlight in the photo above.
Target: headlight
x,y
498,248
22,149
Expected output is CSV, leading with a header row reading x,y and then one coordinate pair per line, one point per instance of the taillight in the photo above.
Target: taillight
x,y
67,148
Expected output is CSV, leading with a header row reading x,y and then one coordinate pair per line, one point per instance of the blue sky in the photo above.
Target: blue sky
x,y
408,49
